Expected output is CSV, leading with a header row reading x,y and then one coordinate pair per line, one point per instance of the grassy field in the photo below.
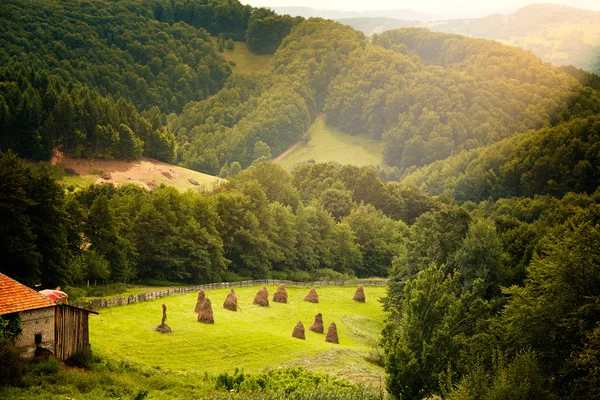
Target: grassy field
x,y
245,61
329,144
144,172
254,339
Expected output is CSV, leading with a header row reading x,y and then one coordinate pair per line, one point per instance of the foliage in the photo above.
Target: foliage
x,y
10,326
122,49
266,30
11,363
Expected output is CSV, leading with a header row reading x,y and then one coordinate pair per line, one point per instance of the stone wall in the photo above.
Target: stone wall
x,y
39,321
95,304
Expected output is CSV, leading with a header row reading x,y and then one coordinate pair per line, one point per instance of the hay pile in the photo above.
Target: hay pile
x,y
163,327
201,297
332,335
231,301
206,313
262,297
317,326
280,295
299,331
360,294
312,296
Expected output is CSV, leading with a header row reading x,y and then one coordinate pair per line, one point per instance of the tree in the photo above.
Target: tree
x,y
480,256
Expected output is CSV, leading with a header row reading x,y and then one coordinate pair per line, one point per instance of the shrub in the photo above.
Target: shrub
x,y
82,359
11,364
44,367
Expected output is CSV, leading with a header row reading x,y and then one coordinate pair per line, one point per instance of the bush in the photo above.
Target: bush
x,y
82,359
106,290
44,367
75,293
11,364
299,276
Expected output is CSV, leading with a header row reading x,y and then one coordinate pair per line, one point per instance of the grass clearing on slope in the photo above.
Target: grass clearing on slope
x,y
253,339
246,62
329,144
144,172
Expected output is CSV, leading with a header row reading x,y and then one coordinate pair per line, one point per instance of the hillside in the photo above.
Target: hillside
x,y
144,172
483,208
326,144
557,34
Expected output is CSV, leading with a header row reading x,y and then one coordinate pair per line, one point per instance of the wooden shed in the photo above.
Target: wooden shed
x,y
71,332
60,328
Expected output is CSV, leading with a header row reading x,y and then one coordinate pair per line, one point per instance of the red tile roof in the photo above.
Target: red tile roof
x,y
15,297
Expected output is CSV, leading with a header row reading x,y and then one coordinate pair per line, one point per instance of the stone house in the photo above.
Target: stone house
x,y
60,328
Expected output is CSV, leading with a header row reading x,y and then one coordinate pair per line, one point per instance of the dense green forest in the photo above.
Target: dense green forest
x,y
97,79
490,238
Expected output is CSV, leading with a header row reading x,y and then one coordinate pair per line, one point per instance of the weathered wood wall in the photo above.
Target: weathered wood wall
x,y
122,301
71,331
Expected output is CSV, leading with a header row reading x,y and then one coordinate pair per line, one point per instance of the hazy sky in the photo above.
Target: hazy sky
x,y
422,5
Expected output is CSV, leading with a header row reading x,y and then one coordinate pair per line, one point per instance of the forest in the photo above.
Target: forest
x,y
488,225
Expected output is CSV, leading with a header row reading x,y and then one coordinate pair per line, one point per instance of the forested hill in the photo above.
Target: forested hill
x,y
557,34
96,79
425,95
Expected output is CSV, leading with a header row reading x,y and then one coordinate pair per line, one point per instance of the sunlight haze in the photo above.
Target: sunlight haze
x,y
466,7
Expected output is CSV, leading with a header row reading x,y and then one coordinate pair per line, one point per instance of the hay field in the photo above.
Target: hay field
x,y
329,144
253,339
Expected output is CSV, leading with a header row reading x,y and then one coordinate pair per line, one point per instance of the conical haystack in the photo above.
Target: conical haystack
x,y
299,331
201,297
231,301
163,327
312,296
280,295
332,335
360,294
262,297
317,326
206,313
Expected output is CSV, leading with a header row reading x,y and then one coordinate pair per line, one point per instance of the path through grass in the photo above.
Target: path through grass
x,y
329,144
254,339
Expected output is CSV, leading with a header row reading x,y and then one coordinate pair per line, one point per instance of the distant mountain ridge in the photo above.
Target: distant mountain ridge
x,y
558,34
308,12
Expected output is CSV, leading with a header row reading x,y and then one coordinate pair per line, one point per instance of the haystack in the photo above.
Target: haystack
x,y
280,295
360,294
262,297
206,313
332,335
312,296
163,327
201,297
317,326
231,301
299,331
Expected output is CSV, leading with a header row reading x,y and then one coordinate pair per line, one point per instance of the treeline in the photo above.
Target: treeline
x,y
261,28
429,95
254,117
38,113
497,301
550,161
326,221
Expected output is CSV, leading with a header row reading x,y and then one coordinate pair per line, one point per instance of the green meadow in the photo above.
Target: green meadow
x,y
255,338
329,144
243,61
